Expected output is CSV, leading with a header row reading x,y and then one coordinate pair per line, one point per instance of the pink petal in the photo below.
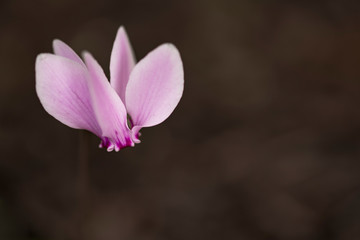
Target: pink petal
x,y
121,63
155,87
61,49
61,85
109,110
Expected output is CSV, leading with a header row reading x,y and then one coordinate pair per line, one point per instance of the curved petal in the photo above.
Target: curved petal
x,y
121,63
62,49
110,112
155,87
61,85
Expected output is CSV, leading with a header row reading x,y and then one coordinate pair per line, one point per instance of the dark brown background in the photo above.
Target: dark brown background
x,y
265,143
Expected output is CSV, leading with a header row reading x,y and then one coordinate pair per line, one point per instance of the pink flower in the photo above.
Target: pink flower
x,y
80,96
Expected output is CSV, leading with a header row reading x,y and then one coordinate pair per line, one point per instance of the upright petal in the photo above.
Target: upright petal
x,y
109,110
62,49
155,87
61,85
121,63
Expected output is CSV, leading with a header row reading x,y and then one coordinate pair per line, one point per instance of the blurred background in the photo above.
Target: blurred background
x,y
265,143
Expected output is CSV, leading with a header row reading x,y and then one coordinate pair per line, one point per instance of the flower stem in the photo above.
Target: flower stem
x,y
83,183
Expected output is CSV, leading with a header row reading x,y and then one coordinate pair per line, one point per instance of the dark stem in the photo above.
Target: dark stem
x,y
83,183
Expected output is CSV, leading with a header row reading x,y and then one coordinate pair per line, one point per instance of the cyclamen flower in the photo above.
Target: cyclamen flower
x,y
79,95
